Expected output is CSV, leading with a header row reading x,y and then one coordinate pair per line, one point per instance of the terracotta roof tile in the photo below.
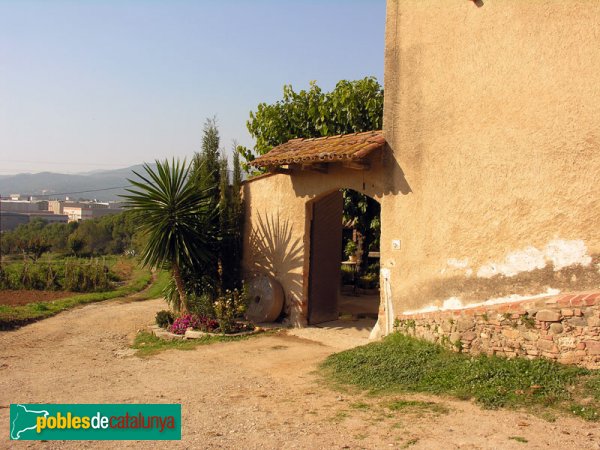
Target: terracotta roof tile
x,y
343,147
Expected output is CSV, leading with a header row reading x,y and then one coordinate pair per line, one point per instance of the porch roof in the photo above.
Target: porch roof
x,y
343,147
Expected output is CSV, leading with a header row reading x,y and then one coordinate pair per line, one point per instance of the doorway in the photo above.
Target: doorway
x,y
343,281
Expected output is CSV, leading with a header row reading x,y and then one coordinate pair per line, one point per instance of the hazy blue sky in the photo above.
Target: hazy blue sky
x,y
88,85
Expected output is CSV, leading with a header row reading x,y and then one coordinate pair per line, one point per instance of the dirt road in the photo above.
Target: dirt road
x,y
256,394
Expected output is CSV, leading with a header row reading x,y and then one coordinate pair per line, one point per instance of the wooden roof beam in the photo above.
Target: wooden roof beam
x,y
356,165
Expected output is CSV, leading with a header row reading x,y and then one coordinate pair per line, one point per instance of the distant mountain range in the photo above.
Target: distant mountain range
x,y
105,184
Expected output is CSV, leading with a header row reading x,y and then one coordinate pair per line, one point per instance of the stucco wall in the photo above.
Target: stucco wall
x,y
493,116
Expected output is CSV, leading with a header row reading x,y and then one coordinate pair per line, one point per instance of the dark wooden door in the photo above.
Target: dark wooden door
x,y
325,259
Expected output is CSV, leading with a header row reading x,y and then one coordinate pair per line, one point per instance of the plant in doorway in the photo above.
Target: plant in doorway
x,y
350,250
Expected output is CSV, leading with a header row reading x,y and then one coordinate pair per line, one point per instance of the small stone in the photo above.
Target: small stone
x,y
577,322
593,347
468,336
566,342
464,324
569,358
580,346
567,312
547,346
510,333
547,315
556,328
593,322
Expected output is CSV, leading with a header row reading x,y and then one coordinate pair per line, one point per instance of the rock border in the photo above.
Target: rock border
x,y
195,334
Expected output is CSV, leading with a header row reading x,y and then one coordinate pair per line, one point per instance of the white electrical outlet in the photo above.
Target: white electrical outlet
x,y
395,244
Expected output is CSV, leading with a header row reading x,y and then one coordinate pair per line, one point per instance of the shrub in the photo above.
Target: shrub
x,y
369,281
201,305
208,324
182,323
164,318
230,307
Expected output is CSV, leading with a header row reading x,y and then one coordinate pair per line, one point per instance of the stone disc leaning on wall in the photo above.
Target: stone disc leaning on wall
x,y
266,299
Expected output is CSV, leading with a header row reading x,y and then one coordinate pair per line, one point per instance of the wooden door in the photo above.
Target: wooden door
x,y
325,259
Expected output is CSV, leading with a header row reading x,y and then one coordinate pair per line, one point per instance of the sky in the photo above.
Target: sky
x,y
94,85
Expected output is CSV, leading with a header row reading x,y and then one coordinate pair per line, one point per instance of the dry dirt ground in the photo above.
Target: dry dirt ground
x,y
261,393
23,297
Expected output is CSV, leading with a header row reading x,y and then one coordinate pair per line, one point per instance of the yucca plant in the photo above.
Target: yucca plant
x,y
174,214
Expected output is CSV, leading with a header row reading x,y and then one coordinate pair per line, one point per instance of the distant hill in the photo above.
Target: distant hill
x,y
52,184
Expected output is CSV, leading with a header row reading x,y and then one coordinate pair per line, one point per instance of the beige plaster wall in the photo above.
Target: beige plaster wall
x,y
493,116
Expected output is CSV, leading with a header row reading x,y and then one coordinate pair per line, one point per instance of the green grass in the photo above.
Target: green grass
x,y
404,364
520,439
147,344
15,316
418,407
156,289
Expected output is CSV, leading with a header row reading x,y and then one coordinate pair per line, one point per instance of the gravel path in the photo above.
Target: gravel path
x,y
261,393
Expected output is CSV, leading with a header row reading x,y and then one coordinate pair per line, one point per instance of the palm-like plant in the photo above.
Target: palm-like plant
x,y
174,214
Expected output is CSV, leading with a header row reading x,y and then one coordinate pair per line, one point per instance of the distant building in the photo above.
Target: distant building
x,y
87,212
23,205
11,220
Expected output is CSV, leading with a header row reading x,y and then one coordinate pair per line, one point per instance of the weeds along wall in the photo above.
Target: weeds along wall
x,y
565,328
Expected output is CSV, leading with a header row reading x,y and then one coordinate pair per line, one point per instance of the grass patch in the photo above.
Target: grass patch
x,y
16,316
156,288
147,344
418,407
520,439
410,443
404,364
362,406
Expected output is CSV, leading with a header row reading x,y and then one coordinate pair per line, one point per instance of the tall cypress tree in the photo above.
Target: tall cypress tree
x,y
211,171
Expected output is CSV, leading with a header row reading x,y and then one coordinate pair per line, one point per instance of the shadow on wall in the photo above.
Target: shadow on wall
x,y
275,252
384,178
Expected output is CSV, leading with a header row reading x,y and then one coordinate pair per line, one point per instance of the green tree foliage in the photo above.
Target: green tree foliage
x,y
211,171
176,216
351,107
112,234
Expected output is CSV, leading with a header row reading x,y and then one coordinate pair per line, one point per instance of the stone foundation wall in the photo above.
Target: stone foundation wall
x,y
564,328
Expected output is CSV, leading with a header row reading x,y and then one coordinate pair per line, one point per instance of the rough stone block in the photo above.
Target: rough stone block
x,y
454,337
569,358
531,336
593,321
593,347
547,346
566,312
556,328
510,333
468,336
566,341
547,315
464,324
577,322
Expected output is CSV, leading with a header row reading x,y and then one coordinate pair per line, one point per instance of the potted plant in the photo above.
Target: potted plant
x,y
350,250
